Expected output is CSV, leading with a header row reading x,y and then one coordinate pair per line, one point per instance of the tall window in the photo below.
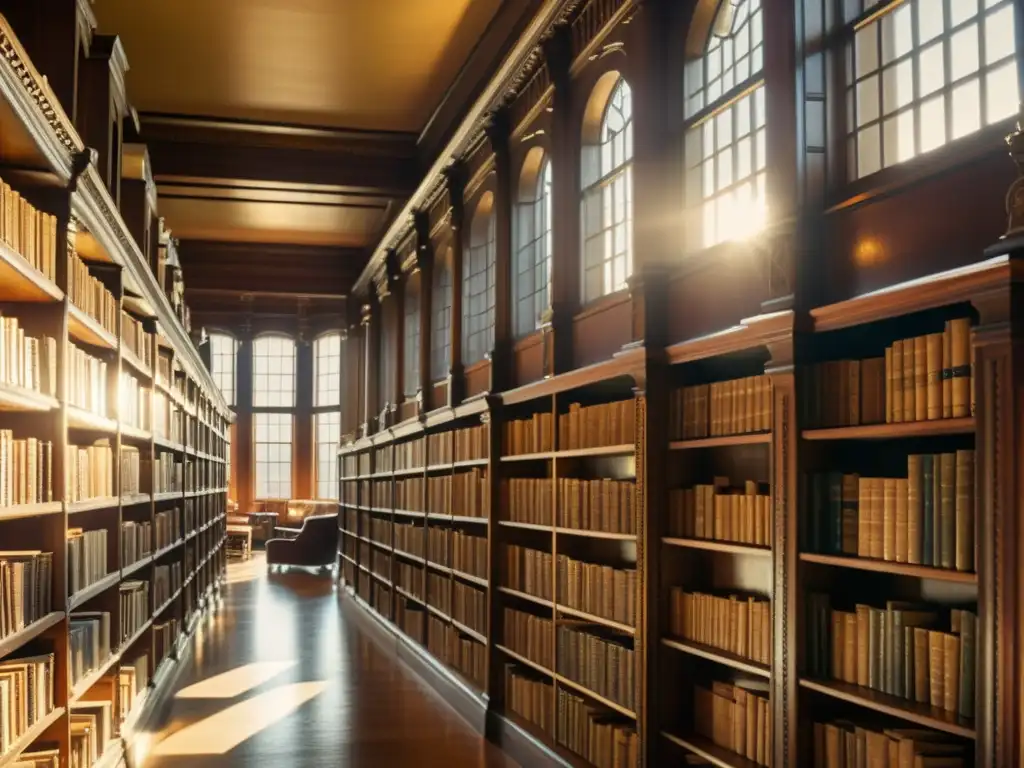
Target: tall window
x,y
273,443
608,196
327,412
441,343
922,73
273,372
411,370
478,284
532,244
223,356
725,140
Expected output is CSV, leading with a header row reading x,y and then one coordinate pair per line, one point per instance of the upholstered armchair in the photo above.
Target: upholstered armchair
x,y
315,546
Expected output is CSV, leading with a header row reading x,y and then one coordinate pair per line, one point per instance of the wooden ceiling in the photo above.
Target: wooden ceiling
x,y
285,134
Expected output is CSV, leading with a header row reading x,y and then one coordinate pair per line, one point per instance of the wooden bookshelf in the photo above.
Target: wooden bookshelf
x,y
721,657
888,566
934,428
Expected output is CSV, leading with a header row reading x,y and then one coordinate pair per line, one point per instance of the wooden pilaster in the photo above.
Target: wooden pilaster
x,y
501,354
425,255
456,371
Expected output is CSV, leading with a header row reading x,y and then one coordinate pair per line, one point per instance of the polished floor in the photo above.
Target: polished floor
x,y
279,678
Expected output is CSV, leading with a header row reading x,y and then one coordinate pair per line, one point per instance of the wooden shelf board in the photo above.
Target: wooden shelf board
x,y
136,434
886,566
721,441
82,686
168,602
596,534
85,329
540,456
463,463
718,546
18,399
605,702
409,472
469,519
921,714
933,428
410,513
169,445
31,510
409,595
408,556
85,595
714,754
87,505
624,628
439,613
169,548
20,281
480,582
524,661
130,499
439,468
14,641
137,566
467,630
135,363
601,450
30,737
526,596
719,656
79,418
168,496
526,526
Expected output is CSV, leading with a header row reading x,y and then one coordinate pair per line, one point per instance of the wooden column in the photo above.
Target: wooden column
x,y
102,106
370,320
565,192
303,453
501,354
425,254
397,352
456,371
244,466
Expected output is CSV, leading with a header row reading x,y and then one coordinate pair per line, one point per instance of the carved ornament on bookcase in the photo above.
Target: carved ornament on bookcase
x,y
1015,195
593,21
529,99
365,315
382,282
38,90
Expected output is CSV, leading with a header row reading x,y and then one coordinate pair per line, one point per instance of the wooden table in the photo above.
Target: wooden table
x,y
241,536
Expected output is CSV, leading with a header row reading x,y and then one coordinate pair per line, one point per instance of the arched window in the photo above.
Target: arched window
x,y
607,176
725,138
922,73
223,356
441,343
532,276
273,372
411,345
478,284
327,412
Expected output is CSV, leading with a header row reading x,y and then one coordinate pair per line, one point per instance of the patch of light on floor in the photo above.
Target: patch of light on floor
x,y
235,682
225,730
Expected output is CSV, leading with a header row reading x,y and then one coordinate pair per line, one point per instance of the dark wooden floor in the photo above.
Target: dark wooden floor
x,y
280,679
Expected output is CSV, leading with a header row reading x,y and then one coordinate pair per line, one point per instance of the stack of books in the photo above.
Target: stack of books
x,y
26,694
29,232
530,696
599,590
595,426
887,747
87,558
533,435
167,527
469,554
722,512
166,581
137,339
601,739
136,541
88,643
26,470
528,570
135,612
90,295
527,500
134,401
133,679
25,595
530,636
734,407
409,538
26,361
471,443
736,717
469,494
599,660
87,382
90,471
469,607
597,505
738,624
409,494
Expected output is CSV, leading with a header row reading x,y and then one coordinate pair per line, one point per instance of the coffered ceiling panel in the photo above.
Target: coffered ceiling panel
x,y
365,64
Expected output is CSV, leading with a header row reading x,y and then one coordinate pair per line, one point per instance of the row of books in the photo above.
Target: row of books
x,y
88,643
409,577
594,426
469,553
87,382
843,744
92,727
133,679
136,541
90,471
604,740
409,538
26,470
380,531
131,465
734,407
382,495
135,611
411,619
167,527
166,581
27,361
736,717
533,435
468,443
926,518
722,512
527,500
165,635
25,590
380,563
90,295
597,505
167,474
137,339
528,570
134,399
457,650
469,606
411,454
26,693
530,636
599,660
530,696
439,593
904,650
87,558
29,232
600,590
740,625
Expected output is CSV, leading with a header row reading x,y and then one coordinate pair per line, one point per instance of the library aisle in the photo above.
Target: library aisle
x,y
280,677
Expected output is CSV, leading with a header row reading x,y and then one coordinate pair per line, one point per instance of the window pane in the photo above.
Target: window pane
x,y
273,359
273,450
328,436
223,355
327,370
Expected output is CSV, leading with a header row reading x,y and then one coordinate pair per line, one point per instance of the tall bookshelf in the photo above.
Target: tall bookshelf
x,y
112,392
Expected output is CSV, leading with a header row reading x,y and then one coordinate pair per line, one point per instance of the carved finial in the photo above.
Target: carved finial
x,y
1015,195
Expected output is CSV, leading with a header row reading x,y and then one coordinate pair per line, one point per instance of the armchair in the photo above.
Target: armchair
x,y
315,546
